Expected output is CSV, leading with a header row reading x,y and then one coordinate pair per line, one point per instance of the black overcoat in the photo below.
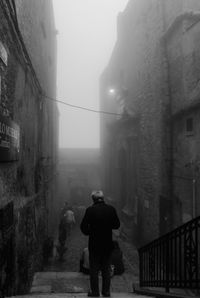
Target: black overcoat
x,y
97,223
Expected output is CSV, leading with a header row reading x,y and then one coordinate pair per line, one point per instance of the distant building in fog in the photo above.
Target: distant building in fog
x,y
28,138
78,175
151,153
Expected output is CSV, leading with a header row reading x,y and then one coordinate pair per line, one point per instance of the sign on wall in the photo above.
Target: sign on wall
x,y
3,54
9,140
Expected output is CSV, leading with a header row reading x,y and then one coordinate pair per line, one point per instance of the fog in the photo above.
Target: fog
x,y
86,36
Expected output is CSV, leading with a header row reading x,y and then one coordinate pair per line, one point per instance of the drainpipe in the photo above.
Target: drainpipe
x,y
194,198
169,113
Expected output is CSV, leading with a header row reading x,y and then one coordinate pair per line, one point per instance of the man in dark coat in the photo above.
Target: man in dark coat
x,y
97,223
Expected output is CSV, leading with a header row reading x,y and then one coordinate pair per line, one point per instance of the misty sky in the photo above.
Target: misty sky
x,y
87,34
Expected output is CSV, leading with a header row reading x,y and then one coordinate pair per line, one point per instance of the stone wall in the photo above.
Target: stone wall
x,y
138,55
183,54
41,46
155,59
25,181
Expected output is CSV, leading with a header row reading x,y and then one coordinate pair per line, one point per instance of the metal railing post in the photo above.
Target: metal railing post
x,y
167,265
172,260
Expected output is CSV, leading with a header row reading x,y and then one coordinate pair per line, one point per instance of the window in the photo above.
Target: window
x,y
189,126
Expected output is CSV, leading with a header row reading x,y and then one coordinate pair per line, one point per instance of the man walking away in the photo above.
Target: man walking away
x,y
64,209
70,220
97,223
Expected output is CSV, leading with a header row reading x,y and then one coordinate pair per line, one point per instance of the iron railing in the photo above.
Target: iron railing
x,y
172,261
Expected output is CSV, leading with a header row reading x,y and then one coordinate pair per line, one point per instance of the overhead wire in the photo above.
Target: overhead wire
x,y
80,107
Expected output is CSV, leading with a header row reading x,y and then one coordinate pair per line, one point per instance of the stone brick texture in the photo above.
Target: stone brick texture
x,y
27,182
159,69
41,46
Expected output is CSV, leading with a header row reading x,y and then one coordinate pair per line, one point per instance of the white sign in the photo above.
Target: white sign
x,y
3,54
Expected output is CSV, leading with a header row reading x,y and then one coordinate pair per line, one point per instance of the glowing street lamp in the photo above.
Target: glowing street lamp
x,y
112,90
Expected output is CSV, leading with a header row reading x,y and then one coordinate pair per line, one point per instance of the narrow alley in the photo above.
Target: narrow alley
x,y
99,136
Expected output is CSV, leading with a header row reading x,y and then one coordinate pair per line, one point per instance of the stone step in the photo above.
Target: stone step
x,y
79,295
57,275
75,282
59,282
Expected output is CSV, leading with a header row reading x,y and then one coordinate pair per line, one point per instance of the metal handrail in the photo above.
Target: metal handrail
x,y
172,261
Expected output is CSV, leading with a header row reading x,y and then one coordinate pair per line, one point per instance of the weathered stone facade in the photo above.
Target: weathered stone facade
x,y
151,151
27,182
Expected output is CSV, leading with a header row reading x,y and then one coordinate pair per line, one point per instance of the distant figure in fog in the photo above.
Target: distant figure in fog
x,y
98,222
66,221
70,218
62,231
64,209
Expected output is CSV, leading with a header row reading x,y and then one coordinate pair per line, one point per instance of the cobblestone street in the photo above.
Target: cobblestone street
x,y
73,281
74,244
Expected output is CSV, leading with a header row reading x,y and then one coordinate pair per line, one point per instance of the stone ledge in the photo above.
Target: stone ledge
x,y
41,289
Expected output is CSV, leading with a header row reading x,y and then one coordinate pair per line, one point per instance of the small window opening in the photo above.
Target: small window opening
x,y
189,125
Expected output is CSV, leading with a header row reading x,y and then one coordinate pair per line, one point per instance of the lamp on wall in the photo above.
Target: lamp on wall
x,y
119,93
119,96
112,91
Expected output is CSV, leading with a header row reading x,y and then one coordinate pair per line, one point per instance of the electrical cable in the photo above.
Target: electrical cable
x,y
80,107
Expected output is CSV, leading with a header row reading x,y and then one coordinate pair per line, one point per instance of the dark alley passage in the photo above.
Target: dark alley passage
x,y
99,148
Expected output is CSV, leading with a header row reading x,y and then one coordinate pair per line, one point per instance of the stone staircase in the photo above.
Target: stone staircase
x,y
78,295
75,284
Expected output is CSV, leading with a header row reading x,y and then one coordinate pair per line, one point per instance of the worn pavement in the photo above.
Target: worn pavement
x,y
81,295
63,279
